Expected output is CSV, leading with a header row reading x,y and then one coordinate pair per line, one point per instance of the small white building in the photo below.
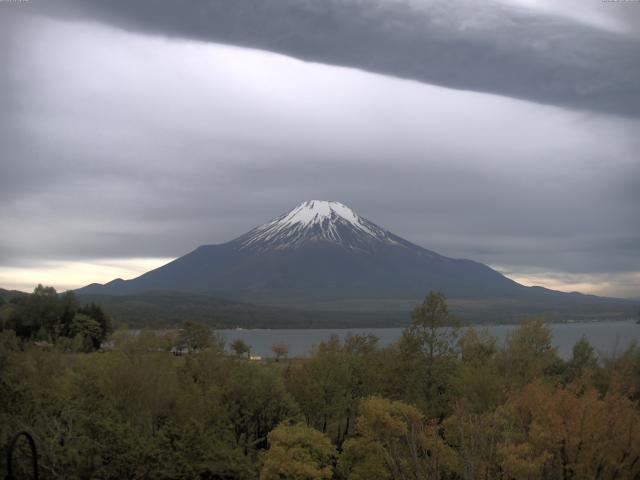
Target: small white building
x,y
180,350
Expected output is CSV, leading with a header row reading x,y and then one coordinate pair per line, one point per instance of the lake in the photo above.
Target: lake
x,y
607,337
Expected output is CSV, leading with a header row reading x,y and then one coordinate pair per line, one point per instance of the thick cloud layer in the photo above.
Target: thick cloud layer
x,y
120,144
489,46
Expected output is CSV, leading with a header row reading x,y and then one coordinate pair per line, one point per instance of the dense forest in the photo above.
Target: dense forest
x,y
166,309
47,317
442,403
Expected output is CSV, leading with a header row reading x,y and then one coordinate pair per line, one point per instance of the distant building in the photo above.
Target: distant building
x,y
255,358
180,350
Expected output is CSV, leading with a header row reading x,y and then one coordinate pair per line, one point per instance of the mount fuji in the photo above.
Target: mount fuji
x,y
323,255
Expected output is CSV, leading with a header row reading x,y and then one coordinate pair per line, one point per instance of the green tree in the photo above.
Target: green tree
x,y
199,337
297,452
256,400
320,385
40,316
68,308
329,385
478,385
428,355
86,331
527,354
95,311
433,331
583,358
240,347
45,315
366,368
477,349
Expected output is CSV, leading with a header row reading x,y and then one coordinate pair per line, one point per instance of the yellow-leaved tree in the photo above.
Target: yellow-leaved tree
x,y
394,441
297,452
558,433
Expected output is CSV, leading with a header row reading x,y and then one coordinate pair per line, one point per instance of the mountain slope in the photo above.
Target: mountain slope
x,y
319,250
323,255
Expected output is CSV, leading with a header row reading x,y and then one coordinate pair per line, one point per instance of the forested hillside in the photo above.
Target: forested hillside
x,y
48,317
442,403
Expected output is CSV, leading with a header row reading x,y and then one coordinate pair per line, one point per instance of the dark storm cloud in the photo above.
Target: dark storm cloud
x,y
482,46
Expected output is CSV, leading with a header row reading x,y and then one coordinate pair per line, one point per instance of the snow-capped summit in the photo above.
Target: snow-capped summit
x,y
316,220
316,211
322,256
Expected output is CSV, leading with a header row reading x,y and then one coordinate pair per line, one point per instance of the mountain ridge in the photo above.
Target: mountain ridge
x,y
323,252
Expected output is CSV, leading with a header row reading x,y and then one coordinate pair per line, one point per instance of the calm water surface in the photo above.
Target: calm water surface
x,y
607,337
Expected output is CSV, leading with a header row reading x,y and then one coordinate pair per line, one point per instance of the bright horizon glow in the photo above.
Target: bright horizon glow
x,y
620,285
68,275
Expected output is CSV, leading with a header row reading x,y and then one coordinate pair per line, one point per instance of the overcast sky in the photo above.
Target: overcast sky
x,y
506,132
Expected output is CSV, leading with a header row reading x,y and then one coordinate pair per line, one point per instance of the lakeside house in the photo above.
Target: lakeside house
x,y
180,350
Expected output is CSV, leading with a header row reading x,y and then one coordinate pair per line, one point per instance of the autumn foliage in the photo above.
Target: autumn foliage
x,y
443,403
